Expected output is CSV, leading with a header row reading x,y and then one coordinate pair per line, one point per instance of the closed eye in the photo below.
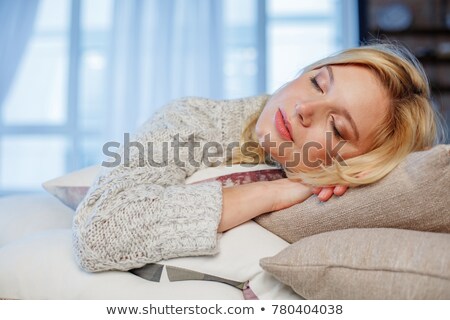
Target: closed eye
x,y
315,84
336,132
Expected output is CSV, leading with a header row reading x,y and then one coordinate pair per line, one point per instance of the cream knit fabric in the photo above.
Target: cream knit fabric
x,y
139,214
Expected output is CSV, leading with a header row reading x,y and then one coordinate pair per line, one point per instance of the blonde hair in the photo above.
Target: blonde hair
x,y
411,125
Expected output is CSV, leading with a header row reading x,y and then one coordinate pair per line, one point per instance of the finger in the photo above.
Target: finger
x,y
325,194
316,190
340,190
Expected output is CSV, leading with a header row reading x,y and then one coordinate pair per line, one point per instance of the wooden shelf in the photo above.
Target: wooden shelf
x,y
434,59
440,89
413,32
423,41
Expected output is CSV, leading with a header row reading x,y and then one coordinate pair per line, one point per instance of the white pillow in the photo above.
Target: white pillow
x,y
240,248
71,188
42,266
22,215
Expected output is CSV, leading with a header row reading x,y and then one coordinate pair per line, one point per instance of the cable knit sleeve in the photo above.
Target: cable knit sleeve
x,y
141,211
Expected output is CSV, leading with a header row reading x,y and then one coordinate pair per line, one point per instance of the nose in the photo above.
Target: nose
x,y
305,113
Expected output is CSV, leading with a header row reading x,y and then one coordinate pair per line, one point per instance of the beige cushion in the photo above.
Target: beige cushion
x,y
413,196
366,264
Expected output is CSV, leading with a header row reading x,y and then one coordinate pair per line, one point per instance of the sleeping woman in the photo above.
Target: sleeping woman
x,y
346,120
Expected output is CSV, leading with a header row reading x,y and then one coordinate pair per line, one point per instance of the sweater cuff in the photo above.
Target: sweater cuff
x,y
191,218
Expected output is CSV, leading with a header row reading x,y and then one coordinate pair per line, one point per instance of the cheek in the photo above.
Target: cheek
x,y
265,123
318,146
315,151
309,152
312,143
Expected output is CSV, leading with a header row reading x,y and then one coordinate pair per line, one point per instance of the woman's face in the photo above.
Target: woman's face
x,y
331,111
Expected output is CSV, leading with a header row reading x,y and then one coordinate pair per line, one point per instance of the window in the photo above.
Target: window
x,y
35,136
268,42
54,116
301,32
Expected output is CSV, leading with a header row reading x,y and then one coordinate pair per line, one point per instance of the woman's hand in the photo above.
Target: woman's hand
x,y
325,193
244,202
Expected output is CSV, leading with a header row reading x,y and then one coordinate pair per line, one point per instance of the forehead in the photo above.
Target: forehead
x,y
359,90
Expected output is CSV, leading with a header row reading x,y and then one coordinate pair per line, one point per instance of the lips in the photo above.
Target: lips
x,y
282,126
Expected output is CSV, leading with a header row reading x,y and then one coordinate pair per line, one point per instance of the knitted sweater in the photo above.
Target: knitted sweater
x,y
141,211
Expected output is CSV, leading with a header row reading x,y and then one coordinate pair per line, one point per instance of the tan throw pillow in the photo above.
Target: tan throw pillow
x,y
413,196
366,264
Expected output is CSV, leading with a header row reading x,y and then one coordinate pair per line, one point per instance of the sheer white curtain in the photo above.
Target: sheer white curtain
x,y
112,63
17,20
161,50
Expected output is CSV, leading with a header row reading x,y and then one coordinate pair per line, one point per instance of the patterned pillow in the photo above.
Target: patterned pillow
x,y
237,174
70,189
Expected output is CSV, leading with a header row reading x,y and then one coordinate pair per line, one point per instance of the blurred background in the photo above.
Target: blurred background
x,y
75,74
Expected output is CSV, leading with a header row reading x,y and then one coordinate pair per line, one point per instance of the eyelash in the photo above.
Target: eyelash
x,y
315,84
335,131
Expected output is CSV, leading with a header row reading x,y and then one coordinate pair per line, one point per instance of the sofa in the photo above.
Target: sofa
x,y
387,240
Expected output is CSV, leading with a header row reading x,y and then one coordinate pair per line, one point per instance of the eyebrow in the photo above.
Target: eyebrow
x,y
344,111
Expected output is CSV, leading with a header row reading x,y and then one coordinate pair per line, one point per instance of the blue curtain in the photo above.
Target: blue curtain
x,y
161,50
17,20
